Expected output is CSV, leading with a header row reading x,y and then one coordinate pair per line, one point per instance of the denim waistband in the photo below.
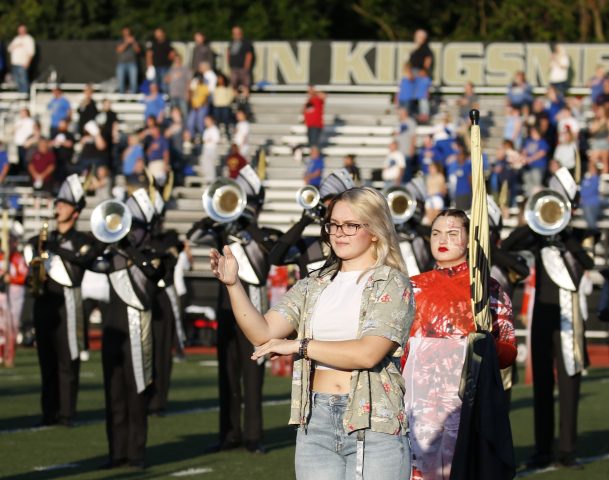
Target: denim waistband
x,y
318,398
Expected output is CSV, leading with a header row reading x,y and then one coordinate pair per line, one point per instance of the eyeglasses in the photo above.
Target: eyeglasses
x,y
348,229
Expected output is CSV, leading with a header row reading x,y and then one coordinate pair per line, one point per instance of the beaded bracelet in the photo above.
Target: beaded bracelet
x,y
302,350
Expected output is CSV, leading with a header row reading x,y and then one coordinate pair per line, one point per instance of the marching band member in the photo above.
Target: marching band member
x,y
557,333
58,310
251,244
134,271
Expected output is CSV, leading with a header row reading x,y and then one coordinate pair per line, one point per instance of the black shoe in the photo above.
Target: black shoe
x,y
45,422
538,461
137,465
222,446
568,460
65,422
122,462
255,448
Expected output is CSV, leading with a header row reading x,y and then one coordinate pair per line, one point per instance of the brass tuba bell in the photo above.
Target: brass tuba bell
x,y
308,197
110,221
547,212
401,204
224,200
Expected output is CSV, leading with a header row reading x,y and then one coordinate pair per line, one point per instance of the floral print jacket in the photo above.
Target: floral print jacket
x,y
376,398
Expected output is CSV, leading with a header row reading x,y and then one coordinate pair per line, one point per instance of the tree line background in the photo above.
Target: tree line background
x,y
476,20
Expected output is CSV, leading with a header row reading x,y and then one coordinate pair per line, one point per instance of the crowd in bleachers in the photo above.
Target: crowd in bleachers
x,y
189,110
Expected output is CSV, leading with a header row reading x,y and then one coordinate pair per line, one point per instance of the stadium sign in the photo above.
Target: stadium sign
x,y
351,63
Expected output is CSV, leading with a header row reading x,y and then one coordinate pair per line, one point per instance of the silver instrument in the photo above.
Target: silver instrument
x,y
401,204
547,212
110,221
308,197
224,200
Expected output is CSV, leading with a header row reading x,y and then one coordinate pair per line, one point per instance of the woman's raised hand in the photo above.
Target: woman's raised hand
x,y
224,267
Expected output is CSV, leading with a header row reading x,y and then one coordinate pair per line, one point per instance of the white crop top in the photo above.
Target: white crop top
x,y
336,315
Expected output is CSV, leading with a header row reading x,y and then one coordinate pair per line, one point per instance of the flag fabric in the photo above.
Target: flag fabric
x,y
479,240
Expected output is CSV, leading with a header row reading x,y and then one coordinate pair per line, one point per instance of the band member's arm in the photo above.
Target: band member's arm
x,y
522,238
277,255
575,247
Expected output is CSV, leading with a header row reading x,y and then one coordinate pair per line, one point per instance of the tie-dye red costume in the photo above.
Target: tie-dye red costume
x,y
434,361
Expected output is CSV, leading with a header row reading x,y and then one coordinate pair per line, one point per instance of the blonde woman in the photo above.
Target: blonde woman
x,y
351,319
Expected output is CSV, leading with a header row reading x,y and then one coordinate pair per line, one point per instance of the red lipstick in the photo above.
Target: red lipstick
x,y
442,249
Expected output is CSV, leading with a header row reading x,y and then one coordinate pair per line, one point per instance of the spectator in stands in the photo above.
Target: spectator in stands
x,y
240,55
127,51
94,155
394,166
154,104
436,190
199,106
596,84
175,134
63,148
4,165
466,103
422,84
313,112
202,52
406,138
87,109
421,58
22,49
24,128
513,128
222,101
559,69
405,98
107,120
508,168
535,158
554,104
603,98
242,133
350,165
31,144
159,55
314,167
209,157
461,173
566,152
599,139
59,108
426,154
209,76
590,199
41,166
178,81
157,155
520,93
133,161
234,162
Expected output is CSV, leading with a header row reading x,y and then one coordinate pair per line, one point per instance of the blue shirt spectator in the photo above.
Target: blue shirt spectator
x,y
154,104
520,92
315,167
132,155
463,173
533,148
3,164
59,108
589,191
157,148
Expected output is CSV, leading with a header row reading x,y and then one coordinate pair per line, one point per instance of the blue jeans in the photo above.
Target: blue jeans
x,y
160,73
126,71
325,452
21,79
196,120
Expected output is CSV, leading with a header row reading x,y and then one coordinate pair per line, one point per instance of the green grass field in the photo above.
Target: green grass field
x,y
176,441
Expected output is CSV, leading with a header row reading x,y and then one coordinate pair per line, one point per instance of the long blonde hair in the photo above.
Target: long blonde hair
x,y
371,207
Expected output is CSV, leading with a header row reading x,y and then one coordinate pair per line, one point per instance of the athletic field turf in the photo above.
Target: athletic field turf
x,y
176,442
